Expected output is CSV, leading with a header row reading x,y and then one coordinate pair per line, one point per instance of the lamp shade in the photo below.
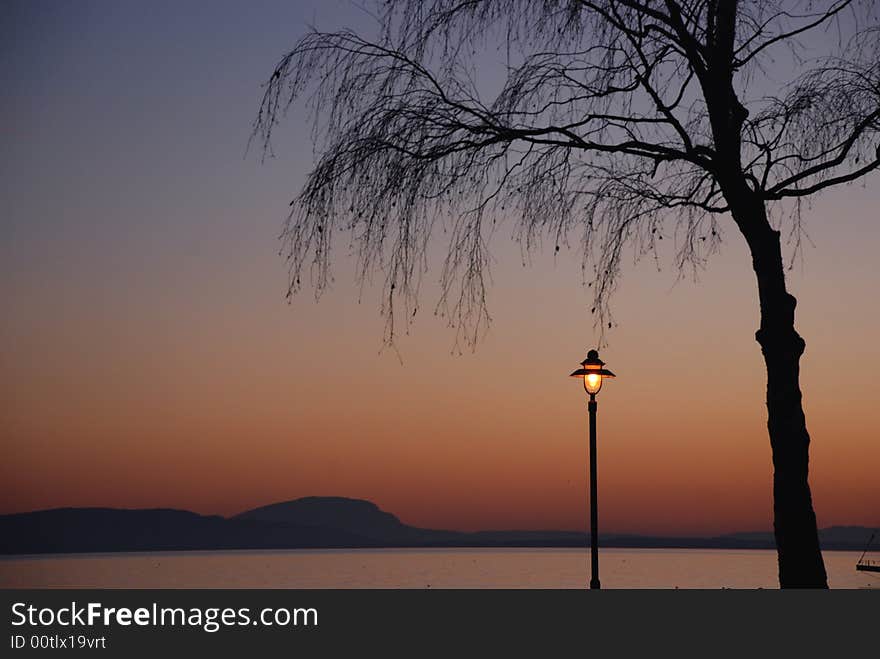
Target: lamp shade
x,y
593,373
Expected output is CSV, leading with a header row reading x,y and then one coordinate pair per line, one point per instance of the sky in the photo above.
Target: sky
x,y
148,357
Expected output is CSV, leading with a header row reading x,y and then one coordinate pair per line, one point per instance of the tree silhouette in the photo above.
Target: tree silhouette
x,y
615,119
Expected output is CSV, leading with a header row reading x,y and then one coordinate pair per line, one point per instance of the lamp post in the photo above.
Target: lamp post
x,y
592,373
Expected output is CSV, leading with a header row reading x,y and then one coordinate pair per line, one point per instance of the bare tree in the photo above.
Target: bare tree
x,y
616,120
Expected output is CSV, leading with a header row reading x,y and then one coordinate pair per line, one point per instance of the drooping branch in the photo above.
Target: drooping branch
x,y
826,131
600,129
762,36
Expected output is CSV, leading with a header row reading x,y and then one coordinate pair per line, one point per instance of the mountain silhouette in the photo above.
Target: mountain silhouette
x,y
314,523
352,515
75,530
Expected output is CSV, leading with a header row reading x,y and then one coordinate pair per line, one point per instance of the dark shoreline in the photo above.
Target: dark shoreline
x,y
316,524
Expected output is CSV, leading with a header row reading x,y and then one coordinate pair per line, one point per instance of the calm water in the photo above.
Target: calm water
x,y
417,568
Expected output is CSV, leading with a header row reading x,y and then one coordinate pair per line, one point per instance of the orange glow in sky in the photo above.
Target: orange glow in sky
x,y
148,357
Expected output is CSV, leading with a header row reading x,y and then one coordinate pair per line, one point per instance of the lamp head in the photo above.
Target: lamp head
x,y
593,373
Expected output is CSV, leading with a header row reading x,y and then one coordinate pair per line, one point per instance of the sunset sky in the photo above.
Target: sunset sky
x,y
148,357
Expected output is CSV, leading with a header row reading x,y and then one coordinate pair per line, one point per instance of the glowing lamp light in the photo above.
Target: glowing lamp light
x,y
592,373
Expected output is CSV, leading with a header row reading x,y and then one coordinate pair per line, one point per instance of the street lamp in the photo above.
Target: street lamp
x,y
593,373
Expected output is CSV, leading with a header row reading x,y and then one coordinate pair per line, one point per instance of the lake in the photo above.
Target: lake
x,y
417,568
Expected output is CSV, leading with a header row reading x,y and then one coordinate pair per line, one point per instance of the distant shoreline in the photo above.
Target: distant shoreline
x,y
321,523
342,550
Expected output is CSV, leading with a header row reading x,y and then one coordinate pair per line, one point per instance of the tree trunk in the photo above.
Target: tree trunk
x,y
794,522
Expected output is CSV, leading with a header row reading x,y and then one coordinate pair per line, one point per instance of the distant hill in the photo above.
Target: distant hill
x,y
75,530
314,522
352,515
